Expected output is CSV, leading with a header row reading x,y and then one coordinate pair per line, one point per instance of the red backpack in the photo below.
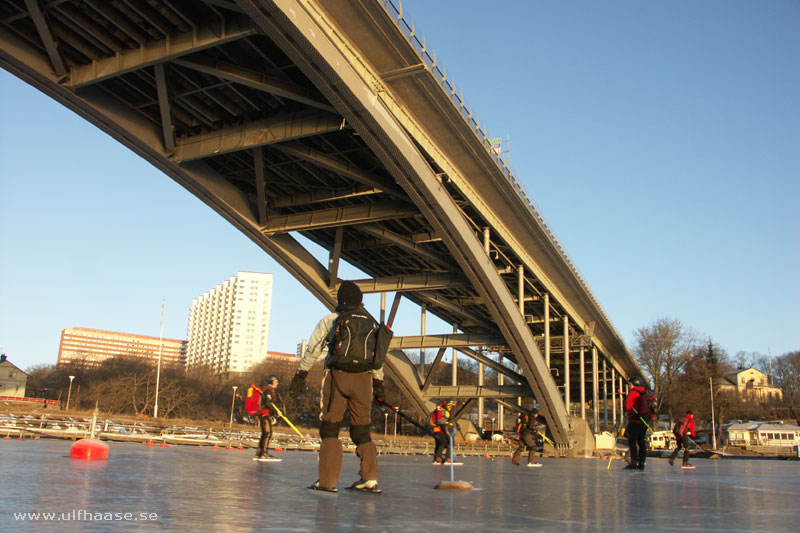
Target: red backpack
x,y
253,400
681,426
645,405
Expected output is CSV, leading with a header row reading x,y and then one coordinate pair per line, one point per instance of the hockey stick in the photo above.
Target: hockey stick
x,y
280,414
401,413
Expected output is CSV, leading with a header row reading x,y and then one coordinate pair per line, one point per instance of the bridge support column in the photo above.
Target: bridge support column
x,y
583,383
454,379
566,363
605,394
595,391
613,397
481,401
422,332
547,330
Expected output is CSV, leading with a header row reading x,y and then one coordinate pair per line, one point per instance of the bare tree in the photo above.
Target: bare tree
x,y
787,377
662,349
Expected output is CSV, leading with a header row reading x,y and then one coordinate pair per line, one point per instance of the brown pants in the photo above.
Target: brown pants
x,y
525,442
342,391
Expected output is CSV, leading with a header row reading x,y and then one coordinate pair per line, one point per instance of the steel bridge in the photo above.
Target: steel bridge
x,y
333,120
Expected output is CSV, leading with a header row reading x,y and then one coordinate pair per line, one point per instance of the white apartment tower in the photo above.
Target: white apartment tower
x,y
229,325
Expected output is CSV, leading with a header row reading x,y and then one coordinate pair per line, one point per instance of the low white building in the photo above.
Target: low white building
x,y
755,433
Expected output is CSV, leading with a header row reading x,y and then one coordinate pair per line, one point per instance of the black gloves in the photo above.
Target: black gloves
x,y
298,383
377,389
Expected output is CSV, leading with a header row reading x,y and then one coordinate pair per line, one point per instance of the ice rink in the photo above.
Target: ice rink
x,y
203,489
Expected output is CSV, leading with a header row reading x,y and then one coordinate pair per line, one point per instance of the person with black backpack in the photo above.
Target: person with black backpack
x,y
683,429
355,346
529,437
639,407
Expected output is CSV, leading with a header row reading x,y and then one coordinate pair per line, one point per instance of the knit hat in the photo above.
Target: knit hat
x,y
349,293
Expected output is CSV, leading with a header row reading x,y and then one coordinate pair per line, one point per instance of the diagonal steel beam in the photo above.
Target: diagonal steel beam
x,y
491,392
450,340
432,369
255,80
408,244
47,38
313,197
411,282
158,52
340,167
257,133
437,300
494,365
341,216
164,108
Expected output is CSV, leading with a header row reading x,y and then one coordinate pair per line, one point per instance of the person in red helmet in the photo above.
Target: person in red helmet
x,y
442,426
683,429
639,409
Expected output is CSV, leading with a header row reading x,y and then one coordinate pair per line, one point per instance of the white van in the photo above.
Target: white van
x,y
662,440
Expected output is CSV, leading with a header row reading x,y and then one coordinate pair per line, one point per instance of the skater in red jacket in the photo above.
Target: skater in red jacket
x,y
683,429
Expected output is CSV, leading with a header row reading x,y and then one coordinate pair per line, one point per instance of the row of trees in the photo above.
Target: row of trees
x,y
680,366
127,386
685,370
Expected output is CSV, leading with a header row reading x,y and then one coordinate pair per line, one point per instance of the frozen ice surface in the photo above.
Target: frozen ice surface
x,y
202,489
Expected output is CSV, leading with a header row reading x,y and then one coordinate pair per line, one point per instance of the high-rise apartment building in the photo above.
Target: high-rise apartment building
x,y
93,346
229,325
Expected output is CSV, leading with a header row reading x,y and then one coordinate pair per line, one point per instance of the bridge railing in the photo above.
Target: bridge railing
x,y
428,57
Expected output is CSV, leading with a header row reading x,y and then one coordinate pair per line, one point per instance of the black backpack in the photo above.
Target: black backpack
x,y
359,343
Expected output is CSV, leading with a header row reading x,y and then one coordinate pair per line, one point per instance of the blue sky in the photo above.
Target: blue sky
x,y
660,140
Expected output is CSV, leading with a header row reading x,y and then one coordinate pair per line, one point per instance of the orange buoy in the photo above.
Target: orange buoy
x,y
215,447
89,449
278,450
163,445
149,443
240,447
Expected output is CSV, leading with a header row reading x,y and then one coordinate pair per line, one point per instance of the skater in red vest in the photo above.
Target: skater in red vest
x,y
442,426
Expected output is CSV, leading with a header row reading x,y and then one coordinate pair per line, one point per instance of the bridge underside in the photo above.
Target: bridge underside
x,y
336,124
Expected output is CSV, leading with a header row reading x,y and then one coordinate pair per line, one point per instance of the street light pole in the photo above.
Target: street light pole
x,y
385,423
160,346
233,400
69,391
713,424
